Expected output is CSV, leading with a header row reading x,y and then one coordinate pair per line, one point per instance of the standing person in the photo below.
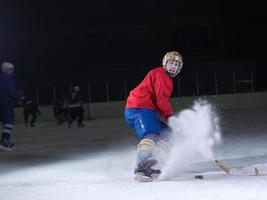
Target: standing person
x,y
61,111
9,96
76,107
30,107
147,107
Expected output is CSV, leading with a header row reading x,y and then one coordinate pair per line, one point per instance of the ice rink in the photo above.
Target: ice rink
x,y
52,162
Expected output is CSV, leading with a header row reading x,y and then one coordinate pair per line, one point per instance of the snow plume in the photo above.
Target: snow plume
x,y
193,133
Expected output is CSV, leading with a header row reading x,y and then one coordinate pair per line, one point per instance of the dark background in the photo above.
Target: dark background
x,y
63,42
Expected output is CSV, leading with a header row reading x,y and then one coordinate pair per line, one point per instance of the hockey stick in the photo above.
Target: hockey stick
x,y
222,166
227,170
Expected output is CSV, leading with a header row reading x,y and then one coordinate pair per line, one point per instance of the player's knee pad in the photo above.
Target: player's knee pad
x,y
163,146
145,149
146,144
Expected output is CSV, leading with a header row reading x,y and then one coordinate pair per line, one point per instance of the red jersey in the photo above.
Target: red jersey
x,y
153,93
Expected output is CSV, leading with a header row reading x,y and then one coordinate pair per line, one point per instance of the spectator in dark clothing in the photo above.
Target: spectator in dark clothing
x,y
30,109
76,107
61,111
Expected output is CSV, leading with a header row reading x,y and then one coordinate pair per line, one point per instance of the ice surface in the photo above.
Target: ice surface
x,y
53,162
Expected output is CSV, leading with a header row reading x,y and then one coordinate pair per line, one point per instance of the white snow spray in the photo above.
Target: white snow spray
x,y
193,133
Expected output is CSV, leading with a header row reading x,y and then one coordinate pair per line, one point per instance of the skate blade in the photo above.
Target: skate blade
x,y
2,148
140,177
155,176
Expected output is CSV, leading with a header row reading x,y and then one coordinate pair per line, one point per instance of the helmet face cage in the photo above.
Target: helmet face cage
x,y
172,56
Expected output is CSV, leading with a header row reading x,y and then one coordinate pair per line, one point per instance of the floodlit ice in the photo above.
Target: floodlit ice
x,y
97,162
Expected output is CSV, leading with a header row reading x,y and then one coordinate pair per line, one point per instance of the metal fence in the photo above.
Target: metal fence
x,y
185,85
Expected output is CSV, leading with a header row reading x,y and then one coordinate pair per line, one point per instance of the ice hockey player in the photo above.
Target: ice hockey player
x,y
147,111
9,97
30,107
76,107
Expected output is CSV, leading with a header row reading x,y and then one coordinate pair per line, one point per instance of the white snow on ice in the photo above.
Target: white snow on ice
x,y
193,133
97,162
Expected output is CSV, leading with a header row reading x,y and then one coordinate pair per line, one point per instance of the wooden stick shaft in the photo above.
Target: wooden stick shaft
x,y
222,166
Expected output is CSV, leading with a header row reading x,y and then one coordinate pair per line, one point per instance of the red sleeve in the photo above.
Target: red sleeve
x,y
163,90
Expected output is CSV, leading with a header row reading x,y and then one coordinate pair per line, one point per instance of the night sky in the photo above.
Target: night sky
x,y
59,42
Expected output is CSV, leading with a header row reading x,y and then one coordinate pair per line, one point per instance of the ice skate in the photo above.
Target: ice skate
x,y
60,122
6,145
144,172
80,125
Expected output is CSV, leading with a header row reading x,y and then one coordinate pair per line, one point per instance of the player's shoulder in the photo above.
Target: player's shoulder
x,y
157,70
5,77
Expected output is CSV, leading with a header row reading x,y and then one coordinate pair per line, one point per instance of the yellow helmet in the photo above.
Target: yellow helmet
x,y
173,56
